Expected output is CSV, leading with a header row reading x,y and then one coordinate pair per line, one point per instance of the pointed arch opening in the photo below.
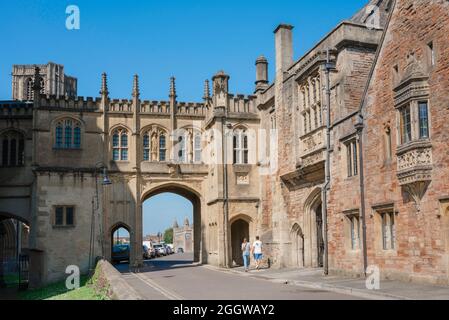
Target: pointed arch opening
x,y
177,207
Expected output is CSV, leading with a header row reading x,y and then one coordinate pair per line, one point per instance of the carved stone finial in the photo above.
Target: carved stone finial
x,y
206,96
36,80
104,84
172,87
136,91
221,82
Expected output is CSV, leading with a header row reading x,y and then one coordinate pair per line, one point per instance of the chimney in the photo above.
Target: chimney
x,y
284,47
261,73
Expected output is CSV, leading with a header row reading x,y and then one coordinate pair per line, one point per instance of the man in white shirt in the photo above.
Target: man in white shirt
x,y
257,251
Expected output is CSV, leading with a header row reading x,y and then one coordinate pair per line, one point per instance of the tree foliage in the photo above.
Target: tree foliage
x,y
168,235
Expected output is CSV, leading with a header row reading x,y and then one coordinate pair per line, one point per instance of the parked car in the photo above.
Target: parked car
x,y
160,249
146,252
120,252
180,250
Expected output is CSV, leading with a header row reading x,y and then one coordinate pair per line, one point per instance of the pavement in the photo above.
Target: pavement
x,y
314,278
176,277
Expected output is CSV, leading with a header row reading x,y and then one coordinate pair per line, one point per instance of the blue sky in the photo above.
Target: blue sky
x,y
160,211
157,39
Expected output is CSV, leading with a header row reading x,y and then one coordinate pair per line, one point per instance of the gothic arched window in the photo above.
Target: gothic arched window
x,y
154,145
146,147
240,146
68,134
12,148
162,148
42,85
182,148
29,89
197,147
120,145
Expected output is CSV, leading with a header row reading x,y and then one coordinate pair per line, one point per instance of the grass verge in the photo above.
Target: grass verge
x,y
58,291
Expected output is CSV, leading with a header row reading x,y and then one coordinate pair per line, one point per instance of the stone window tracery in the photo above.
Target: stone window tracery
x,y
29,88
310,97
12,149
240,146
414,122
120,145
67,134
155,145
353,220
188,148
352,157
388,231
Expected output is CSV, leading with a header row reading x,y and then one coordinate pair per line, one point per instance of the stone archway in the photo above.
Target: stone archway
x,y
14,237
313,231
239,231
195,198
116,227
297,239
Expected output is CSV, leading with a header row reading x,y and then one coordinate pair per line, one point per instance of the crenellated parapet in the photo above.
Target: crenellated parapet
x,y
78,103
121,105
153,107
11,109
192,109
242,104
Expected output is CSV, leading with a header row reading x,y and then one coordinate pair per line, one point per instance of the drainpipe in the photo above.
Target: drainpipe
x,y
328,67
225,192
359,127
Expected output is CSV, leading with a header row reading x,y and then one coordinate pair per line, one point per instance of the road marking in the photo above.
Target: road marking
x,y
165,292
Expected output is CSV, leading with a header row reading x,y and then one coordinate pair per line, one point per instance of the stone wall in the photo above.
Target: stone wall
x,y
421,231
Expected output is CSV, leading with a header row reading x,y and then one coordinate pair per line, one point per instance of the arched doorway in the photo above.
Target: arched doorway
x,y
14,239
239,231
319,235
313,231
297,238
195,199
120,243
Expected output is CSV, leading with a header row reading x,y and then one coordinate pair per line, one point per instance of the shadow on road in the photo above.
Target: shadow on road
x,y
176,261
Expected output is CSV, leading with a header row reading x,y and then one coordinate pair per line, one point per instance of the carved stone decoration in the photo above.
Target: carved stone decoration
x,y
309,143
221,85
174,170
417,190
415,158
189,146
154,146
414,167
312,159
242,179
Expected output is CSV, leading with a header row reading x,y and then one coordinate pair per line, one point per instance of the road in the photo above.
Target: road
x,y
175,277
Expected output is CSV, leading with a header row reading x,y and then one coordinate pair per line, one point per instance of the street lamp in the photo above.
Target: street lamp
x,y
95,206
106,180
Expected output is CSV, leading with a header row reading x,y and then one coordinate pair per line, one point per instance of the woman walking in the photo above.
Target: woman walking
x,y
246,250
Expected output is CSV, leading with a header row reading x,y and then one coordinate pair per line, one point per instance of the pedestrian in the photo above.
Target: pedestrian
x,y
246,251
257,252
